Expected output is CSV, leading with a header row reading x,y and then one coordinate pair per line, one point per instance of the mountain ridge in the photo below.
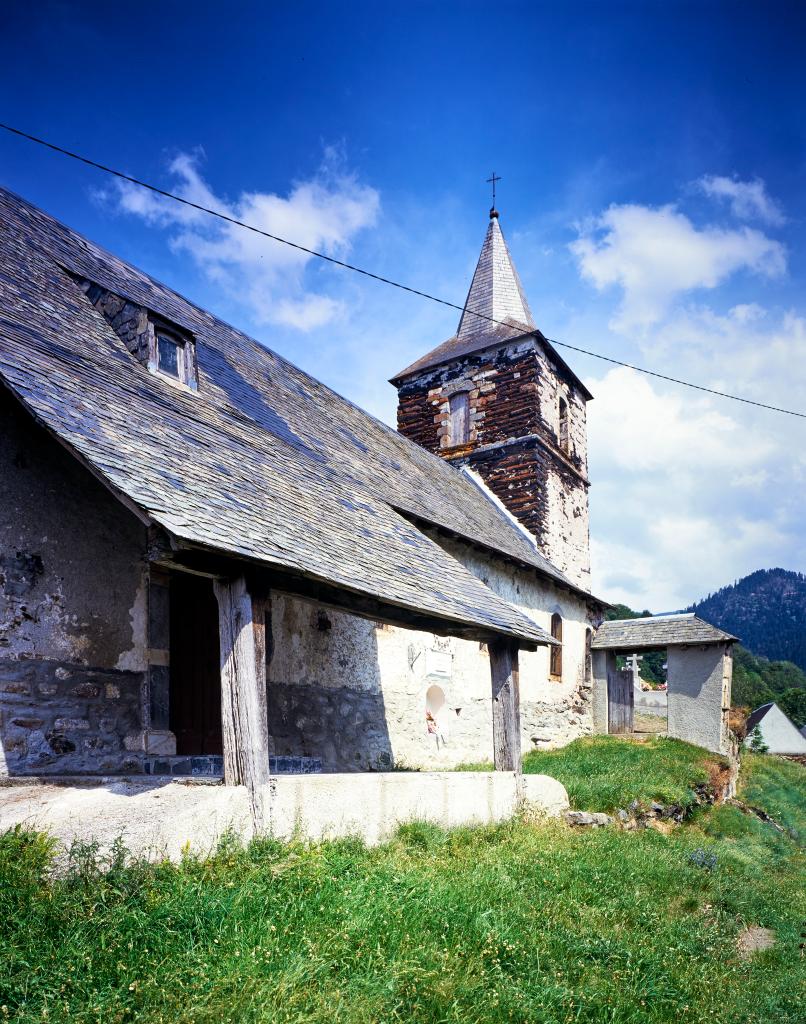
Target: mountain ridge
x,y
766,610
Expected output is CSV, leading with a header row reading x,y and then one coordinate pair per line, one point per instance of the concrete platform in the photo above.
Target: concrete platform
x,y
161,818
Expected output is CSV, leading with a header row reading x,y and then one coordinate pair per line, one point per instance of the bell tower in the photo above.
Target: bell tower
x,y
497,397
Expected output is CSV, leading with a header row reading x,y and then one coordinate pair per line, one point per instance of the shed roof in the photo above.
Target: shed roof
x,y
657,631
264,462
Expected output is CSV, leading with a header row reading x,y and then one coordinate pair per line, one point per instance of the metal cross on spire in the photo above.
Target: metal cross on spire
x,y
495,178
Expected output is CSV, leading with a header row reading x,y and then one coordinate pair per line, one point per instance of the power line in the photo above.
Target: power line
x,y
377,277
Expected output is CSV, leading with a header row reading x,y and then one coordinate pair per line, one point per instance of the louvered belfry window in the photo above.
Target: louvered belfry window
x,y
459,421
562,433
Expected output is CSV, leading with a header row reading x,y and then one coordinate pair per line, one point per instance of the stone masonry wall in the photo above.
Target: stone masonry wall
x,y
357,693
514,394
73,610
502,388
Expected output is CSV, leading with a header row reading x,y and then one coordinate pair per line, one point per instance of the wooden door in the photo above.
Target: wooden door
x,y
195,666
620,699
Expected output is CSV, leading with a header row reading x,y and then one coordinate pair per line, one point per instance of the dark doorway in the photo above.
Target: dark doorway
x,y
195,670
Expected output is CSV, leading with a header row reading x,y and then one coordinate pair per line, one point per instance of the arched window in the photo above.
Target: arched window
x,y
562,431
556,666
459,419
588,655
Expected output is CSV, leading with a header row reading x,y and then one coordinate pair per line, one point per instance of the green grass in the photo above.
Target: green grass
x,y
777,787
519,922
603,773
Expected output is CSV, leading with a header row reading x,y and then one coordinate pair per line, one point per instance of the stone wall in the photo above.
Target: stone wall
x,y
698,695
502,387
514,394
73,610
357,693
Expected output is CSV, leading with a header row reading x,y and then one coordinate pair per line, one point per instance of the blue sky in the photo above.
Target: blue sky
x,y
652,157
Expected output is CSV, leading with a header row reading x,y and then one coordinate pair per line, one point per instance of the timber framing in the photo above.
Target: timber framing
x,y
216,565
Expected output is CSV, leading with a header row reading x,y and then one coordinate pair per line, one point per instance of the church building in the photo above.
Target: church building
x,y
163,474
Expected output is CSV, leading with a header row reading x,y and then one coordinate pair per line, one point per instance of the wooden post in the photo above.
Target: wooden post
x,y
243,690
261,620
506,705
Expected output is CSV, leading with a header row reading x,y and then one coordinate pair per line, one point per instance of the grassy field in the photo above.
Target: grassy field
x,y
521,922
603,773
776,787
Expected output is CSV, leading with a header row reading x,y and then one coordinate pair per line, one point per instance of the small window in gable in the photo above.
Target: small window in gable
x,y
173,354
154,343
459,419
170,356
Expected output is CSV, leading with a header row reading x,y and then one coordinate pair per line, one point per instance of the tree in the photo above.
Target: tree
x,y
793,704
757,744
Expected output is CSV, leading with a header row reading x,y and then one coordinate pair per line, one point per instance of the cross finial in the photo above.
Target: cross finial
x,y
495,178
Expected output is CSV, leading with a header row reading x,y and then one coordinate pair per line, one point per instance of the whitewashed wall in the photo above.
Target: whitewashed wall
x,y
356,693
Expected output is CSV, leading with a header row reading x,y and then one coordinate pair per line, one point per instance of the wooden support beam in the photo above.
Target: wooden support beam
x,y
243,689
261,622
506,706
213,564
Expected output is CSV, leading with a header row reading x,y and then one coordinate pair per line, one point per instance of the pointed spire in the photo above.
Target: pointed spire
x,y
495,291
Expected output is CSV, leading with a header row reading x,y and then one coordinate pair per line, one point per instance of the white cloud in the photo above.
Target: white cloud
x,y
634,427
656,254
688,492
747,351
324,213
748,200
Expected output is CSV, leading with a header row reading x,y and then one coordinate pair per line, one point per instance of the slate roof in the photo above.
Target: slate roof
x,y
263,462
657,631
495,290
496,293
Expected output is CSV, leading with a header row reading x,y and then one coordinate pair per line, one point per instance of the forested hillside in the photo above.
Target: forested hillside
x,y
766,610
757,681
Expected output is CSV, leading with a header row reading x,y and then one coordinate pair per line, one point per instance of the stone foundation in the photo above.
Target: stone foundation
x,y
172,819
59,717
212,766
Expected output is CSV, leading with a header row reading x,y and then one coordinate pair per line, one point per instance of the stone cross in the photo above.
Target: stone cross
x,y
632,663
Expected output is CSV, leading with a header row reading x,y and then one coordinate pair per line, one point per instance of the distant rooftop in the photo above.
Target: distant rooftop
x,y
756,716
